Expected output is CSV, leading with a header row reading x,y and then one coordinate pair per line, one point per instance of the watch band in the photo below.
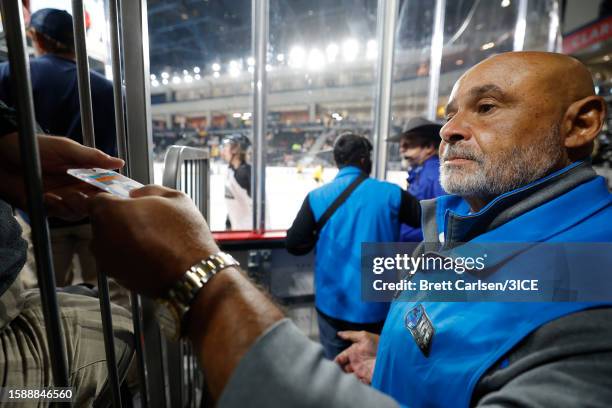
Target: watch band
x,y
185,290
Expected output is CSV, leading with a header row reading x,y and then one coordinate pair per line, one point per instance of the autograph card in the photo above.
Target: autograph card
x,y
107,180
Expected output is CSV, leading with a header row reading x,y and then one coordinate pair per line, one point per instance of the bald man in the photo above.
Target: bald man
x,y
514,157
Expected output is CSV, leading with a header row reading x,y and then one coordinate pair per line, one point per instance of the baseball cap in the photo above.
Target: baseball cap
x,y
417,125
54,23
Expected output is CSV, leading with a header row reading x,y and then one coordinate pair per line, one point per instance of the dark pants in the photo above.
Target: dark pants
x,y
329,326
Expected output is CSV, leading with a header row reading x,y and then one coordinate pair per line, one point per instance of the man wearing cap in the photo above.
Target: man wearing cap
x,y
237,183
418,146
371,212
55,94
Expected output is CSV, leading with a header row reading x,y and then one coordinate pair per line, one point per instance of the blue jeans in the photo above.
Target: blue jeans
x,y
328,327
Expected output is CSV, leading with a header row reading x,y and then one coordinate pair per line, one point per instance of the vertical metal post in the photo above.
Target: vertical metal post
x,y
117,82
554,33
82,64
22,89
89,139
385,37
521,26
135,48
435,59
260,14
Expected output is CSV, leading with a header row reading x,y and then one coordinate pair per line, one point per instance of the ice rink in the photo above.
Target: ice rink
x,y
285,192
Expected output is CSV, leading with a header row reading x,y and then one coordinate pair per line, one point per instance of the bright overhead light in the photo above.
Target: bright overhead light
x,y
268,67
216,74
332,52
316,60
185,72
188,79
251,69
246,115
350,49
606,58
153,77
234,69
459,62
487,46
155,83
196,70
280,57
237,115
371,50
165,75
251,61
176,80
505,3
216,67
297,55
197,77
165,81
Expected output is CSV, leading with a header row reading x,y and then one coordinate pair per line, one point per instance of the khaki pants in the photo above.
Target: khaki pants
x,y
24,357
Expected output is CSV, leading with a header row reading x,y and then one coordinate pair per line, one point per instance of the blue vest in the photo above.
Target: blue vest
x,y
370,214
470,338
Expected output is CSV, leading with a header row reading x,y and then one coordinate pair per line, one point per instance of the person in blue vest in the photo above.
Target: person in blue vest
x,y
53,75
515,161
418,147
371,213
511,178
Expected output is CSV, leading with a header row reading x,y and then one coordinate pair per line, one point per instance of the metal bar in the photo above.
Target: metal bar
x,y
260,18
82,65
135,45
521,26
435,59
554,34
385,37
89,139
22,89
117,83
115,48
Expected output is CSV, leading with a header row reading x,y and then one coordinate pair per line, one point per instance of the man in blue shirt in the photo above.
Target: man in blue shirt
x,y
56,104
338,242
418,146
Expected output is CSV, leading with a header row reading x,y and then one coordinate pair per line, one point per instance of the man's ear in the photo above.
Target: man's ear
x,y
581,125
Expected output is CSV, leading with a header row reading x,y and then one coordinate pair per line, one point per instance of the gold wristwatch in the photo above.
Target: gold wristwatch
x,y
172,308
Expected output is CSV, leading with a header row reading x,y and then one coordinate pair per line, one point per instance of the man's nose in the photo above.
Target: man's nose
x,y
455,130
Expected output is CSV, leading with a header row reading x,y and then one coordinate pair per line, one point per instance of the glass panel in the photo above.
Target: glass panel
x,y
411,74
201,92
321,83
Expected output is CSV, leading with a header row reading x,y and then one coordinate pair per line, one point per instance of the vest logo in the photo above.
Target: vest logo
x,y
420,326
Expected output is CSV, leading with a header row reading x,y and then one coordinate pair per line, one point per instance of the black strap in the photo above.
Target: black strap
x,y
339,201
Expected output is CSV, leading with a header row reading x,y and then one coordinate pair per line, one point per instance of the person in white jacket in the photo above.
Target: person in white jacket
x,y
237,183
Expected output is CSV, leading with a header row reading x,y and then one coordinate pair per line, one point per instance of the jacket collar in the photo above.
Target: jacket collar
x,y
348,170
447,219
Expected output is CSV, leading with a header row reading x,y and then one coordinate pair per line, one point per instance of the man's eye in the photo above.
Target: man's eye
x,y
485,108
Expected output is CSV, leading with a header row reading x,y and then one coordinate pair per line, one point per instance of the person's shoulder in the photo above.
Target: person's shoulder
x,y
243,169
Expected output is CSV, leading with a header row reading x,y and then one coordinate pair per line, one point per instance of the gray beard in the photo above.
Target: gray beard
x,y
508,171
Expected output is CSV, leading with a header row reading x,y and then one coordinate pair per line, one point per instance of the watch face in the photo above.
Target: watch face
x,y
168,320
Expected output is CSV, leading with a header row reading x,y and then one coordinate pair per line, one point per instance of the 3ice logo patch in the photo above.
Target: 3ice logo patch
x,y
419,325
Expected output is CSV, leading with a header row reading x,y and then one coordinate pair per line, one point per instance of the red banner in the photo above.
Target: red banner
x,y
592,34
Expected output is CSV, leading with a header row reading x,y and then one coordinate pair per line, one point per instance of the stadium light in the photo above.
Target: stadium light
x,y
155,83
165,81
316,60
216,67
216,74
176,80
251,62
350,49
332,52
297,55
196,70
280,57
234,68
165,75
153,77
371,50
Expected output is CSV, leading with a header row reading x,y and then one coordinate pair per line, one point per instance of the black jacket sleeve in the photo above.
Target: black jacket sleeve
x,y
410,210
301,237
